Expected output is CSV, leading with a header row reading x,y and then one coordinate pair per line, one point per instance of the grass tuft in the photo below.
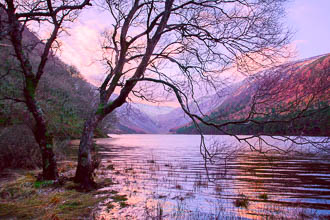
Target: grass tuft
x,y
110,167
119,198
263,196
123,204
242,202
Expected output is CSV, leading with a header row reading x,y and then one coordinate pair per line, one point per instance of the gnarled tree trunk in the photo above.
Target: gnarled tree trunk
x,y
85,168
49,166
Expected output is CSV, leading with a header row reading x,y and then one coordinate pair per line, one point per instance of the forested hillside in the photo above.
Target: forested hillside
x,y
292,99
65,97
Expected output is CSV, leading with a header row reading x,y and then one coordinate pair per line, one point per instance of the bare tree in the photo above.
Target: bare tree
x,y
45,13
181,45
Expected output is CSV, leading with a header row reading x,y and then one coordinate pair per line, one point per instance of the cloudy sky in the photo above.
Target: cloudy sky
x,y
309,19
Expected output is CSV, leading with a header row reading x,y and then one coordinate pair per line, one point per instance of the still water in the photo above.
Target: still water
x,y
166,177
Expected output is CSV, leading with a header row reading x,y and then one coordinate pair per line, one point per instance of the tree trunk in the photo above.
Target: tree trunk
x,y
49,165
85,168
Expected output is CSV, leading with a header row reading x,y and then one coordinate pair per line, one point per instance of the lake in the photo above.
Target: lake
x,y
166,177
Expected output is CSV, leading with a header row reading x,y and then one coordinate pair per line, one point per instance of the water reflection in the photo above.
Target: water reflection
x,y
165,175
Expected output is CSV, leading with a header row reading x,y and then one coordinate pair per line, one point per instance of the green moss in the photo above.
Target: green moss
x,y
30,87
40,184
46,163
100,109
84,160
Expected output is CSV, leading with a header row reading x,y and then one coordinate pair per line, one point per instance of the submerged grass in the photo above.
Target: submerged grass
x,y
263,196
242,201
119,198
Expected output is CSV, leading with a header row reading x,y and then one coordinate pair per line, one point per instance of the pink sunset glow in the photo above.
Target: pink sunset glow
x,y
82,48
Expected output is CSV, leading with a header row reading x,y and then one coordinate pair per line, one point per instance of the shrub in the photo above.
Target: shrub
x,y
18,149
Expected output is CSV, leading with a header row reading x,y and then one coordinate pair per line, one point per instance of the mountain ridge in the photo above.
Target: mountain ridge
x,y
289,86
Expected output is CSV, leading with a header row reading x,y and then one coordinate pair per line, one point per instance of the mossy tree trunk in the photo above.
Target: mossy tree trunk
x,y
31,80
85,168
43,138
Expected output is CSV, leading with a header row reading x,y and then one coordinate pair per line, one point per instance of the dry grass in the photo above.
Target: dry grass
x,y
24,198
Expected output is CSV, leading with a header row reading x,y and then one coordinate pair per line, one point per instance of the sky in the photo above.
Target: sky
x,y
309,20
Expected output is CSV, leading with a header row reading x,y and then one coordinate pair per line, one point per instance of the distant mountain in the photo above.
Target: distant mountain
x,y
205,104
151,110
279,94
134,120
143,118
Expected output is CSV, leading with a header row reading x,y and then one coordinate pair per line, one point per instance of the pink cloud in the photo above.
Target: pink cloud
x,y
82,47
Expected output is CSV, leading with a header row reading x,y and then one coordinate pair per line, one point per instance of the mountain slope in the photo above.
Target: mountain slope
x,y
133,120
297,90
64,96
62,90
143,118
177,117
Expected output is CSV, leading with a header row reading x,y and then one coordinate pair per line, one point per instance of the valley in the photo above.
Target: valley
x,y
300,87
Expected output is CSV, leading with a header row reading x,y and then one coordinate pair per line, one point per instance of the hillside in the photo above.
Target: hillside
x,y
142,118
135,120
62,93
65,97
290,99
178,118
